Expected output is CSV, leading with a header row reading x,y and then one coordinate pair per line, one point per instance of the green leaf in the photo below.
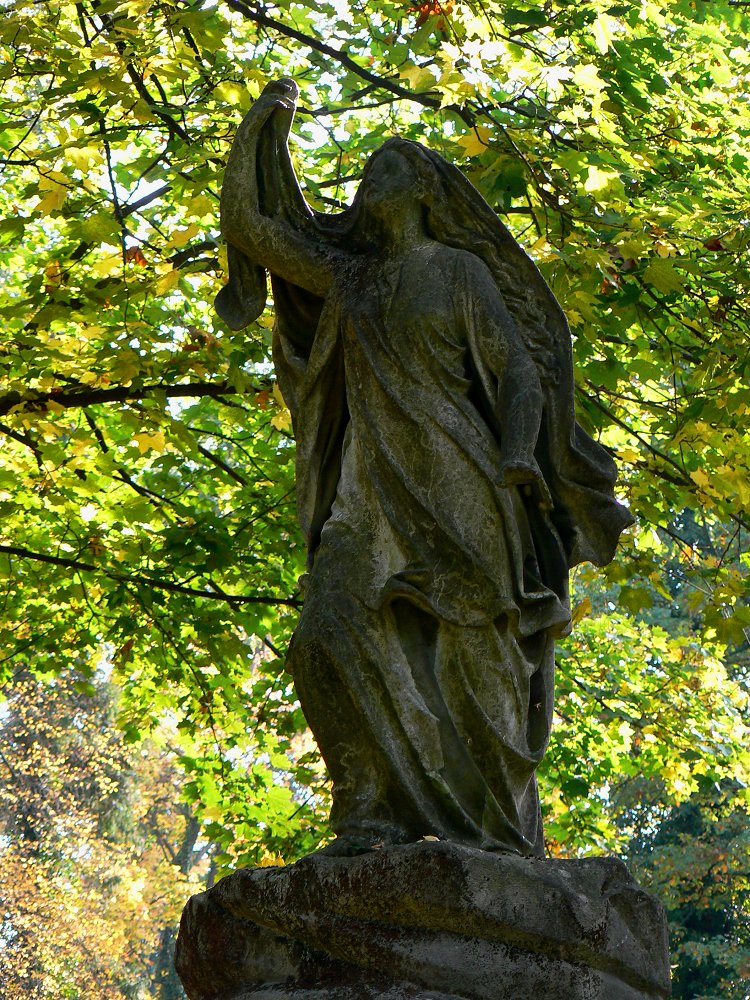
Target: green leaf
x,y
662,275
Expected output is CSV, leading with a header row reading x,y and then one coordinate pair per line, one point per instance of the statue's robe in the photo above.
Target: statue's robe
x,y
424,656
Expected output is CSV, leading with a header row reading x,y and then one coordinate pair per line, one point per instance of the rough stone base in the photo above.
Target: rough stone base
x,y
428,921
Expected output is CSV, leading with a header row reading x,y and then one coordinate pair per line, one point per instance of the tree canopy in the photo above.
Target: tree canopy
x,y
146,482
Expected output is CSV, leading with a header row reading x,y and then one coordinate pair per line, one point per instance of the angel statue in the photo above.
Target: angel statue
x,y
444,487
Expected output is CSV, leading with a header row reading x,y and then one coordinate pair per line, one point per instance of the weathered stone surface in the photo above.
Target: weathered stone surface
x,y
443,484
431,920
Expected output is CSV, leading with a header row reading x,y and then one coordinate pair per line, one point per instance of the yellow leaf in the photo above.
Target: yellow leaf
x,y
53,200
52,179
603,180
83,158
664,249
223,262
150,441
181,237
602,28
543,251
419,77
202,205
167,281
53,275
742,487
581,609
588,79
282,421
271,861
454,93
700,478
476,141
108,265
233,93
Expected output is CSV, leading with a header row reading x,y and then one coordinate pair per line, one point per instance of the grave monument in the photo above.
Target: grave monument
x,y
445,490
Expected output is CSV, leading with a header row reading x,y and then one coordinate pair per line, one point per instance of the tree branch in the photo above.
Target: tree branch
x,y
684,477
221,464
140,203
173,126
25,440
124,476
150,581
85,396
384,83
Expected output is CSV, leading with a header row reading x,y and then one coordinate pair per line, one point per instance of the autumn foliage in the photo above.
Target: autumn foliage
x,y
150,552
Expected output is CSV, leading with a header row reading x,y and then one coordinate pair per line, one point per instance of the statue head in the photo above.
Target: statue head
x,y
390,186
397,185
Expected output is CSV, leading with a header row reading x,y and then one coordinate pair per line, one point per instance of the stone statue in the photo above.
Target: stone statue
x,y
445,490
444,486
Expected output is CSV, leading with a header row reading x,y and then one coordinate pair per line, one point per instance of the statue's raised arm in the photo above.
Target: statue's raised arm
x,y
265,219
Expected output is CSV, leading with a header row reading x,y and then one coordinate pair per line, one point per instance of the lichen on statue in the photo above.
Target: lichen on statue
x,y
444,487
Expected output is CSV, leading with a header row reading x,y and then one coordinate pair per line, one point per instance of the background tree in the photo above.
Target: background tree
x,y
146,485
97,853
695,858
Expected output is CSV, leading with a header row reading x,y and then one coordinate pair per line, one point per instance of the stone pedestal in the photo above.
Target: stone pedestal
x,y
428,921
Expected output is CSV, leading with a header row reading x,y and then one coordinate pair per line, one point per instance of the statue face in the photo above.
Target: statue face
x,y
391,186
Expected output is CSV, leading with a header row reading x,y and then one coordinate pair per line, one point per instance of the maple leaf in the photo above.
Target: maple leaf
x,y
134,255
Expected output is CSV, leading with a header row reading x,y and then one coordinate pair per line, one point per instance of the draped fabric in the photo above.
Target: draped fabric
x,y
424,655
425,651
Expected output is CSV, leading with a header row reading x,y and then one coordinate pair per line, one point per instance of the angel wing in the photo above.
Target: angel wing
x,y
578,471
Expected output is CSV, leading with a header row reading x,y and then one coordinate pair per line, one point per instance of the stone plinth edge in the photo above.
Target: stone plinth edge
x,y
428,921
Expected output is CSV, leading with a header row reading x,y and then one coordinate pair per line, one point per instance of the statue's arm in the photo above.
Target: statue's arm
x,y
517,399
519,405
268,239
282,250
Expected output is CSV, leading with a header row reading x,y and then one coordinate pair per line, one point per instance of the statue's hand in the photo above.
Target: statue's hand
x,y
527,475
277,95
283,87
517,473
